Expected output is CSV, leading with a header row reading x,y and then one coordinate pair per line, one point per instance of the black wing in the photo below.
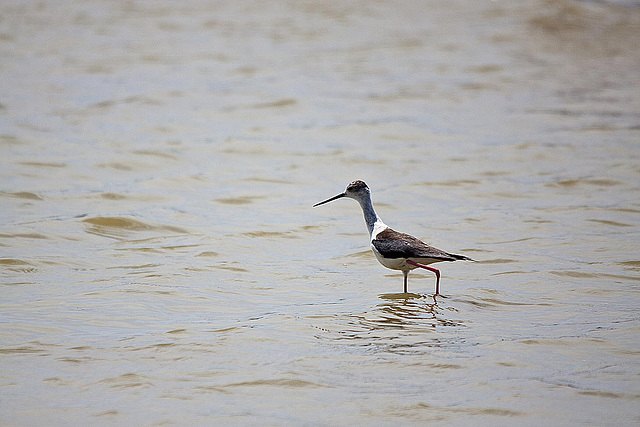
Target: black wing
x,y
392,244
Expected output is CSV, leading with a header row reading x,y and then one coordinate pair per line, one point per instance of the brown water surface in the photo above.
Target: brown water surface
x,y
160,262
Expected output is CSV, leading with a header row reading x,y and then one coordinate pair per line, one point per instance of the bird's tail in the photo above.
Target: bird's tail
x,y
462,258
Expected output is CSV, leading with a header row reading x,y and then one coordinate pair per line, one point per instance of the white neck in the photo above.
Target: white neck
x,y
370,216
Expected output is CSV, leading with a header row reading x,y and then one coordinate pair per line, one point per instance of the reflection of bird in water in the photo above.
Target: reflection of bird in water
x,y
394,250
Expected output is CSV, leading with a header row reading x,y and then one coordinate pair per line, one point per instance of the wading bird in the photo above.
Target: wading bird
x,y
394,250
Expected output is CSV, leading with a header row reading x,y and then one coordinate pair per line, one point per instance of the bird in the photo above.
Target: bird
x,y
394,250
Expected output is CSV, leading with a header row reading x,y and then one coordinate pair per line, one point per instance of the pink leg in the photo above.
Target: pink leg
x,y
406,273
435,270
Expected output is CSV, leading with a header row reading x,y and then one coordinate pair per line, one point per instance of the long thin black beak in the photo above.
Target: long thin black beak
x,y
331,199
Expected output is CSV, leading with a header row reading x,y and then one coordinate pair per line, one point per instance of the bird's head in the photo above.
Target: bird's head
x,y
355,190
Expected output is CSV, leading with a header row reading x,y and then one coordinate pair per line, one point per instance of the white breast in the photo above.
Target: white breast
x,y
392,263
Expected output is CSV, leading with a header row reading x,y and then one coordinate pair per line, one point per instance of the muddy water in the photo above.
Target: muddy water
x,y
161,263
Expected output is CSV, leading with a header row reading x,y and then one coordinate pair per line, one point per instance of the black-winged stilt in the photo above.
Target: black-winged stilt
x,y
394,250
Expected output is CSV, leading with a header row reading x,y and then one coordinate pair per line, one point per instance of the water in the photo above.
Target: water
x,y
161,262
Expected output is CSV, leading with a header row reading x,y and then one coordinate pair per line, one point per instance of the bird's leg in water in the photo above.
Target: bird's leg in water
x,y
426,267
406,273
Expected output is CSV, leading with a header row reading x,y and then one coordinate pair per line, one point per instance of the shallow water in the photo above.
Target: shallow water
x,y
161,262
